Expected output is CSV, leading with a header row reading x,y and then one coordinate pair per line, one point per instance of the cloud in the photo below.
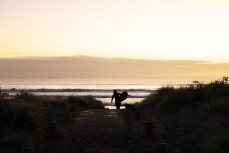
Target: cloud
x,y
116,68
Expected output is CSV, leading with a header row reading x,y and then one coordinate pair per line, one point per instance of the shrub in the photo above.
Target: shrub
x,y
221,105
165,91
86,102
218,143
13,118
24,119
14,141
214,94
92,103
3,97
76,101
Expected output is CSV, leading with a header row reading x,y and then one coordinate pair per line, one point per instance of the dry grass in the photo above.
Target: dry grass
x,y
25,117
210,104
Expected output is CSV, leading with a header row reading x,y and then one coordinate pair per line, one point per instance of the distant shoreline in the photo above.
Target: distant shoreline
x,y
103,95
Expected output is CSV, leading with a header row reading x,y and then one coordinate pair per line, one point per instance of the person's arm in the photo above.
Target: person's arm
x,y
112,98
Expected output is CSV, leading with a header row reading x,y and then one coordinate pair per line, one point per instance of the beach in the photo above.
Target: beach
x,y
101,89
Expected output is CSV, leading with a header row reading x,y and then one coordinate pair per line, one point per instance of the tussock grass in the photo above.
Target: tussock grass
x,y
25,116
208,107
85,102
218,143
213,96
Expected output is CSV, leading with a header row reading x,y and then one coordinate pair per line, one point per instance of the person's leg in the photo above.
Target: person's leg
x,y
118,105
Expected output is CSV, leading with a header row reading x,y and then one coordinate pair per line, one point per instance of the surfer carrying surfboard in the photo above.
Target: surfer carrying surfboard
x,y
119,98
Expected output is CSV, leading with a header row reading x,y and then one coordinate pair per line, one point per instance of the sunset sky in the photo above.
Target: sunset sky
x,y
192,30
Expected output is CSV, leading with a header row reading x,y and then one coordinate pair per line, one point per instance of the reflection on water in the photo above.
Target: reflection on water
x,y
113,107
107,101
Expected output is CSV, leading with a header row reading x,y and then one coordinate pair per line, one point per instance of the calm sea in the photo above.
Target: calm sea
x,y
101,89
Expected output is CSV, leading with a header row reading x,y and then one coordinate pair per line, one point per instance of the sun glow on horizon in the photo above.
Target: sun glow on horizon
x,y
196,30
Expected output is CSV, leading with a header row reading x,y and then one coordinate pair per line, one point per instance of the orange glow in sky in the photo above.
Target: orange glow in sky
x,y
154,29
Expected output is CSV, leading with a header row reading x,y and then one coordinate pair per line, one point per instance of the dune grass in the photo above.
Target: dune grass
x,y
212,97
208,103
85,102
25,116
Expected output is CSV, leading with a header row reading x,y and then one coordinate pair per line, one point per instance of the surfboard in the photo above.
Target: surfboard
x,y
123,96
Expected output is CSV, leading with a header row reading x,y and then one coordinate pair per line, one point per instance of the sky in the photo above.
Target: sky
x,y
114,38
150,29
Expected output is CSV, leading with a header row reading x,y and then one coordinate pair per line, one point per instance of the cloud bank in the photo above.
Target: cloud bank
x,y
110,68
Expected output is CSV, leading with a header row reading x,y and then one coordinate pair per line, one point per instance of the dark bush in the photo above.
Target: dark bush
x,y
24,119
85,102
190,96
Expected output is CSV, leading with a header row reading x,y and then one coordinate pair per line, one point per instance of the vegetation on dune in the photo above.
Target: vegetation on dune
x,y
213,96
199,110
86,102
193,117
25,116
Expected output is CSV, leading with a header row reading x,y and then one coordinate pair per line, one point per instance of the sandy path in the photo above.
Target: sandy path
x,y
105,131
100,131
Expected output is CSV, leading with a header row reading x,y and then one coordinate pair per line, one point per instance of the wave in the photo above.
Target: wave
x,y
96,93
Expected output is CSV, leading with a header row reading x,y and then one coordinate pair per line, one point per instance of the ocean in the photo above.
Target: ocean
x,y
101,89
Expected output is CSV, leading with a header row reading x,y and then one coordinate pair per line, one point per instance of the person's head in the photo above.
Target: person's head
x,y
115,92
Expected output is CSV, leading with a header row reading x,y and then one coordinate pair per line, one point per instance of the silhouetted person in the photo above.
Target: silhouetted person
x,y
116,96
119,98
